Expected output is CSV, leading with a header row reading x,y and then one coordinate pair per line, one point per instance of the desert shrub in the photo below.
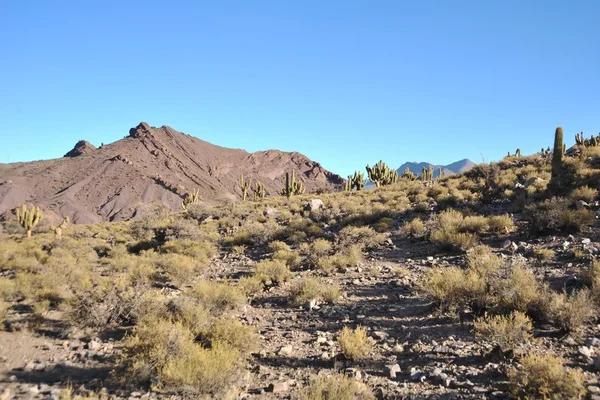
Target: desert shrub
x,y
202,251
544,254
473,224
202,211
413,228
320,247
451,287
278,245
305,289
3,311
556,215
500,224
273,270
288,257
334,387
165,353
363,236
584,193
520,291
217,297
347,257
8,288
233,332
180,269
384,224
544,376
154,217
331,293
506,331
251,285
189,312
484,262
590,277
354,344
570,314
451,239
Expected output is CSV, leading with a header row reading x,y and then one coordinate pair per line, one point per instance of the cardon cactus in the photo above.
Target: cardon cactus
x,y
29,218
408,174
244,186
292,186
259,191
348,184
557,153
381,174
191,198
358,180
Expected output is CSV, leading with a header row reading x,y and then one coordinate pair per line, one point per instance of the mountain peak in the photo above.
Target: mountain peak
x,y
82,147
140,130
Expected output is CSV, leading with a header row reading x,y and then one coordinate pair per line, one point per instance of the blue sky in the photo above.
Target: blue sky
x,y
345,82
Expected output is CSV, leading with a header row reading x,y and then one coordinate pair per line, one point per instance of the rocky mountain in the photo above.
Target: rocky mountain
x,y
454,168
113,182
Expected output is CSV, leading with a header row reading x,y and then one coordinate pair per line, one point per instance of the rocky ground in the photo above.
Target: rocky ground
x,y
417,352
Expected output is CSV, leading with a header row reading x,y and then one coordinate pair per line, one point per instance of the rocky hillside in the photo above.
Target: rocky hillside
x,y
151,164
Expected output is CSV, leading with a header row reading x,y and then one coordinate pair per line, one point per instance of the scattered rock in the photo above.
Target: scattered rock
x,y
6,394
391,370
278,387
270,212
314,205
584,351
380,335
286,351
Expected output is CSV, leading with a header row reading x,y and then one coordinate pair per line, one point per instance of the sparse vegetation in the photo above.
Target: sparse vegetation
x,y
335,387
355,344
506,331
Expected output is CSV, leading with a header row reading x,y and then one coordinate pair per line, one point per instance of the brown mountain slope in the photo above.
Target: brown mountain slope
x,y
151,164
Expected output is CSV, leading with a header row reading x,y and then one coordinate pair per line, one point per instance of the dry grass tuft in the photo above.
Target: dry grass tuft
x,y
545,376
506,331
334,387
355,344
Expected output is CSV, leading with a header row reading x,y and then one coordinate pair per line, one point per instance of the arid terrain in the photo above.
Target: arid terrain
x,y
478,285
113,182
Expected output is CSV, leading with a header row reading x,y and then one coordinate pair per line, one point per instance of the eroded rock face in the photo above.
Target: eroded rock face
x,y
82,147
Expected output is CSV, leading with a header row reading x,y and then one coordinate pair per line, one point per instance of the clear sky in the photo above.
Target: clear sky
x,y
345,82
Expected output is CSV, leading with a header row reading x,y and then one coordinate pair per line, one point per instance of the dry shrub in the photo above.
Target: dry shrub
x,y
180,269
3,311
278,245
334,387
189,312
506,331
590,277
251,285
482,260
556,215
446,287
217,297
165,353
451,239
320,247
233,332
202,251
363,236
570,314
520,291
544,376
288,257
331,294
544,254
346,258
8,288
500,223
413,228
584,193
355,344
273,270
305,289
473,224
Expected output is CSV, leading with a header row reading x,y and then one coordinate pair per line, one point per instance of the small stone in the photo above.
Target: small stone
x,y
94,345
353,373
506,243
597,362
33,391
286,350
593,389
381,335
593,342
314,205
391,370
6,394
584,351
586,241
278,387
310,304
441,349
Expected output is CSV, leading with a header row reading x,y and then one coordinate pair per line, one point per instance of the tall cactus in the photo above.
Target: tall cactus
x,y
244,186
292,186
191,198
408,174
557,153
348,184
358,180
29,218
427,173
382,175
259,191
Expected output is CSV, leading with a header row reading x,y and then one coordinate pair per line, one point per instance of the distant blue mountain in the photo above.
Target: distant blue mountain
x,y
454,168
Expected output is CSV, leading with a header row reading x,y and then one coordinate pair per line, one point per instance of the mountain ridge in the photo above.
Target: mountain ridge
x,y
114,181
456,167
